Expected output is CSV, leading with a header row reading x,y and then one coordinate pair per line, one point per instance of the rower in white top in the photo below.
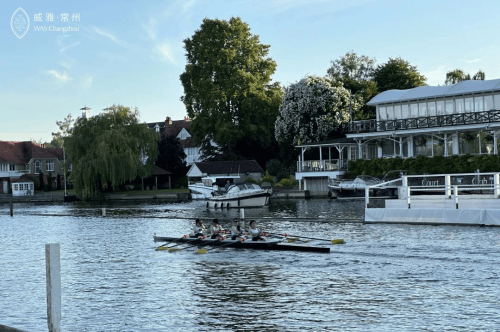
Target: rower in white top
x,y
199,229
236,230
255,233
217,230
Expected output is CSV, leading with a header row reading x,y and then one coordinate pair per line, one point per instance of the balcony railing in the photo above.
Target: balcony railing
x,y
322,165
366,126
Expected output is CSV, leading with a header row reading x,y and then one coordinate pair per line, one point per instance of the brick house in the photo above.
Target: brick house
x,y
28,158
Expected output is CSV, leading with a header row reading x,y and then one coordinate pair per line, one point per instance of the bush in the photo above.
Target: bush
x,y
274,166
250,180
267,178
287,183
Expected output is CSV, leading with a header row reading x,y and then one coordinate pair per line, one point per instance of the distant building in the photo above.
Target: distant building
x,y
179,129
28,160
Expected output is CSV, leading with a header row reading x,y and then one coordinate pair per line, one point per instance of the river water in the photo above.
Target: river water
x,y
385,278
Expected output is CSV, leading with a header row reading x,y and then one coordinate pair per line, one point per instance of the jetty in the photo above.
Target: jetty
x,y
471,199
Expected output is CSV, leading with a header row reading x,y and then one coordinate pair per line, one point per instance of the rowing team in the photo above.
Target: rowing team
x,y
237,232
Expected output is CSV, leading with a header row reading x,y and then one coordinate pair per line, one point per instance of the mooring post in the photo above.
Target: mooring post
x,y
53,276
11,209
242,213
455,194
104,212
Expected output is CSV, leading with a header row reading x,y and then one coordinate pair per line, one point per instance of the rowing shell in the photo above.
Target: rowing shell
x,y
248,244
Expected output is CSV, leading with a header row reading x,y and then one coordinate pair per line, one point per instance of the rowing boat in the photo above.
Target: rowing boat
x,y
271,244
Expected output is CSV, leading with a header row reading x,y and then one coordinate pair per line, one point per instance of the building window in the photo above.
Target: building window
x,y
414,110
488,103
422,109
405,112
70,168
50,165
431,106
469,105
397,112
12,167
16,187
459,105
478,104
449,107
157,128
38,166
497,102
382,113
440,107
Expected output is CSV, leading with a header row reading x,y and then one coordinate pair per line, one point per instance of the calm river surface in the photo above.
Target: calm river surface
x,y
385,278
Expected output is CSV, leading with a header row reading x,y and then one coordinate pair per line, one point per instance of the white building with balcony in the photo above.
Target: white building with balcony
x,y
457,119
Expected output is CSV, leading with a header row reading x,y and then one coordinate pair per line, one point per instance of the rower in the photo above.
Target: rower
x,y
255,232
216,229
199,229
236,230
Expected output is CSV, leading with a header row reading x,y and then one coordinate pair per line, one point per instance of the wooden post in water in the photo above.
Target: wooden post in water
x,y
104,212
11,209
53,276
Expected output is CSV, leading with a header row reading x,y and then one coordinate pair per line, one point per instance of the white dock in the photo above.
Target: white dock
x,y
442,199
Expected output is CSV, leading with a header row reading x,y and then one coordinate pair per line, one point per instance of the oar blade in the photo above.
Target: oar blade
x,y
174,249
161,248
201,251
338,241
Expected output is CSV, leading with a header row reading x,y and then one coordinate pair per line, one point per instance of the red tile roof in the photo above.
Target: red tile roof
x,y
22,152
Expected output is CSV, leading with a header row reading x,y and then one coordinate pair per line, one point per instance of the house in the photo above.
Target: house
x,y
180,129
21,158
244,168
23,186
429,120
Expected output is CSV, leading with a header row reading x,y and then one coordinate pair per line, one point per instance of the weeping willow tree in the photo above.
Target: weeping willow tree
x,y
109,149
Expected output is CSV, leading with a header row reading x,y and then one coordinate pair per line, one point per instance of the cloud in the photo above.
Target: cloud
x,y
86,81
109,36
63,77
471,61
151,28
164,52
66,47
436,76
187,5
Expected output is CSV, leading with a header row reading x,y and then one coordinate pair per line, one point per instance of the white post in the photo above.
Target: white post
x,y
455,194
242,214
454,144
446,145
496,182
53,275
408,197
495,139
367,197
104,212
447,184
64,170
401,146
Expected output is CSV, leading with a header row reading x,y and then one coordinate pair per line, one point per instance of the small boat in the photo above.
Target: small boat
x,y
240,195
356,188
248,244
351,188
210,184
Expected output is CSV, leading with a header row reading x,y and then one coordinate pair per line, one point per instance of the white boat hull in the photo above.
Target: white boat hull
x,y
238,201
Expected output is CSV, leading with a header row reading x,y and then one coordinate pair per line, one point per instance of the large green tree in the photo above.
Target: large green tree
x,y
64,130
397,74
313,109
458,75
171,156
228,90
109,149
356,74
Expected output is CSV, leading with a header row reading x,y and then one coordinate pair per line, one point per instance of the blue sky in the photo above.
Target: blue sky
x,y
131,52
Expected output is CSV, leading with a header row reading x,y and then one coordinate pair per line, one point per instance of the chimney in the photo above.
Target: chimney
x,y
169,120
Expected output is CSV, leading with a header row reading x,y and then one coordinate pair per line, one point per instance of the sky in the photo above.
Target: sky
x,y
77,54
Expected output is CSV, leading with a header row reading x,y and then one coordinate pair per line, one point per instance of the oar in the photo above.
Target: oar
x,y
333,241
204,250
172,248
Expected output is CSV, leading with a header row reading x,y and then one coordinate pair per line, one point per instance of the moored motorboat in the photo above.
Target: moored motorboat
x,y
270,244
241,195
203,189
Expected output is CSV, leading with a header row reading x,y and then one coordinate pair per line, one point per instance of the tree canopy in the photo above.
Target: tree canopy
x,y
228,91
397,74
64,130
458,75
109,149
312,110
171,156
356,74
